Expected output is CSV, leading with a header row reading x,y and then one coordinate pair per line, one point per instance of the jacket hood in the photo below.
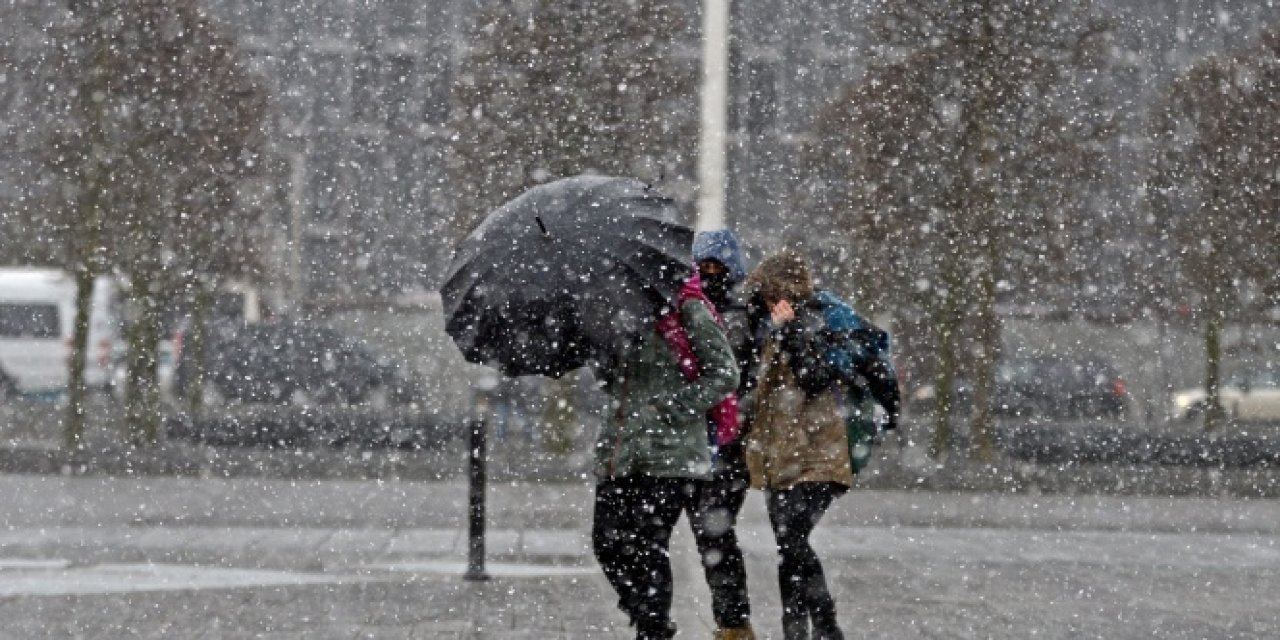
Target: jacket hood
x,y
721,245
782,275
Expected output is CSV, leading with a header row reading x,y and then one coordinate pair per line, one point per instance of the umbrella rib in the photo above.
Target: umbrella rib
x,y
580,245
665,232
624,261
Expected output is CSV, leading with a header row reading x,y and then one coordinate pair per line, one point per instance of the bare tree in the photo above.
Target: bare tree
x,y
560,88
956,164
1215,186
23,115
77,153
161,122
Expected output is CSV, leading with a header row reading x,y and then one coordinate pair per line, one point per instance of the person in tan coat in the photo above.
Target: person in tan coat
x,y
797,447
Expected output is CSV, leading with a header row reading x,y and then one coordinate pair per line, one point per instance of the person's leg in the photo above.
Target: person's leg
x,y
795,615
659,510
822,607
632,535
614,531
793,514
714,530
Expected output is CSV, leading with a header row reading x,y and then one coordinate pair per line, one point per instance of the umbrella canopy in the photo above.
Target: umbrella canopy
x,y
563,275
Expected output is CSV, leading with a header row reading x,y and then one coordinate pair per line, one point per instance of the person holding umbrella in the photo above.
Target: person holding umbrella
x,y
652,455
798,447
596,271
721,268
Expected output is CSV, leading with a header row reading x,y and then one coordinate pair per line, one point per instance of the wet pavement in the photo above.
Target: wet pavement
x,y
174,557
187,540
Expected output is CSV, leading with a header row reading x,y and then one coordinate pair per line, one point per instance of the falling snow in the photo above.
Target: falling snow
x,y
235,365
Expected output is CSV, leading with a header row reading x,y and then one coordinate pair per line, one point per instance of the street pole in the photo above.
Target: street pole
x,y
711,148
475,525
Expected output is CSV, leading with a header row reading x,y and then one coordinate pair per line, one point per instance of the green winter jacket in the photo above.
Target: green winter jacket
x,y
656,423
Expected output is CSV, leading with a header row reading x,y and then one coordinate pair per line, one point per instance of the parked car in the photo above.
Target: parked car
x,y
292,363
1046,387
1249,396
1060,387
167,354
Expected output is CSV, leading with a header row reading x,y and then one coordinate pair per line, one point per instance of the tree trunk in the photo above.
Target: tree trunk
x,y
142,402
77,391
84,246
947,324
1215,311
193,348
1214,413
982,429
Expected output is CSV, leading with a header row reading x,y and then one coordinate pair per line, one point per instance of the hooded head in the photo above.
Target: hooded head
x,y
722,246
720,260
782,276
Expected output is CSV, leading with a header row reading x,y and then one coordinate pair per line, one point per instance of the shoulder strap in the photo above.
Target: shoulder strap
x,y
692,290
671,325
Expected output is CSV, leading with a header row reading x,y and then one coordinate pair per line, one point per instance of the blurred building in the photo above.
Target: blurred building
x,y
356,200
362,90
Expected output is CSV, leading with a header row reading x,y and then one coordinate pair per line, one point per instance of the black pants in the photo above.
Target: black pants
x,y
631,535
713,523
793,514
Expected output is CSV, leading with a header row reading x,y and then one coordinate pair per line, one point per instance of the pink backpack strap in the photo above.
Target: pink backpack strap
x,y
671,329
725,414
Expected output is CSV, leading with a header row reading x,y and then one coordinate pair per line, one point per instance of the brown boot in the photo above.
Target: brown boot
x,y
745,632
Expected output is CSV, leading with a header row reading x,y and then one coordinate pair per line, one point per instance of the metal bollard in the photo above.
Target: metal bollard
x,y
475,526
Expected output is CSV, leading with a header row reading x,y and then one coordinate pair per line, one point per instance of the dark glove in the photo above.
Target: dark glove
x,y
801,340
796,339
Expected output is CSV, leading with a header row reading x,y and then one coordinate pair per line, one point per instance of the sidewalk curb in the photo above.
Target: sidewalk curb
x,y
892,468
179,458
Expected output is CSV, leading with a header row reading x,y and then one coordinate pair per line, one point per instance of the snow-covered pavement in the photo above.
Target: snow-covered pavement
x,y
204,558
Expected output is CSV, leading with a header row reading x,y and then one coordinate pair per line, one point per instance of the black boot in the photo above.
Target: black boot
x,y
827,632
795,627
654,630
825,626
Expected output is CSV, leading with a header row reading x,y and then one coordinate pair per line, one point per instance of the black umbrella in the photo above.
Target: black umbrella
x,y
564,274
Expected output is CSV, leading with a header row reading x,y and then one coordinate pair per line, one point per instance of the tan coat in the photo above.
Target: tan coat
x,y
794,439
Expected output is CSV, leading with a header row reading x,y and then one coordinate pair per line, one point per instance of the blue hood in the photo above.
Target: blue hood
x,y
722,246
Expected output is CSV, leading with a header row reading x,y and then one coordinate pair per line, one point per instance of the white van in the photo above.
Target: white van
x,y
37,317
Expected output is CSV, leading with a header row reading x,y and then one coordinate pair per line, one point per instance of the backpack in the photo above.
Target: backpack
x,y
859,353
